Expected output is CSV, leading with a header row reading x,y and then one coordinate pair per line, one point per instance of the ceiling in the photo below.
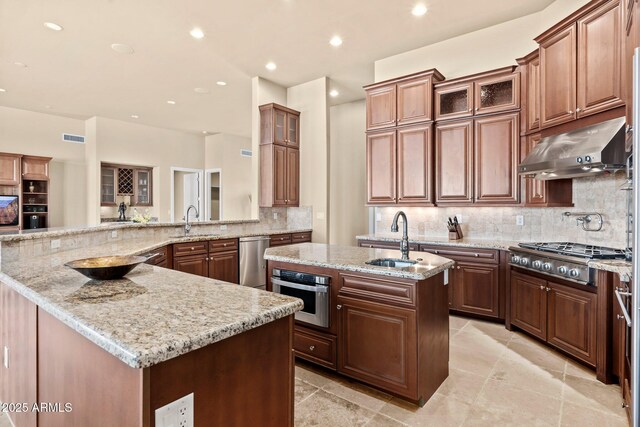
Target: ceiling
x,y
75,73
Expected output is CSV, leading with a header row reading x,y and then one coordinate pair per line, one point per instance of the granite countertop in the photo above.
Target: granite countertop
x,y
444,241
351,258
620,266
153,314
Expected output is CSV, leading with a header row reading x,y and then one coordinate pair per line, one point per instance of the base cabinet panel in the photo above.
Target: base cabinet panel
x,y
196,264
224,266
529,304
476,289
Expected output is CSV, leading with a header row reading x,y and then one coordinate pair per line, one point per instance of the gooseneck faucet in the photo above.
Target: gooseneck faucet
x,y
187,225
404,244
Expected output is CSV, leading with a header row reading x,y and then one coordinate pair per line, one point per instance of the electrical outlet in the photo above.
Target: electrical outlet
x,y
519,220
55,244
223,227
378,217
320,215
5,357
275,215
114,234
459,218
178,413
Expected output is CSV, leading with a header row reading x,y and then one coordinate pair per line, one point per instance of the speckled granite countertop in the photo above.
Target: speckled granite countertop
x,y
444,241
153,314
622,267
351,258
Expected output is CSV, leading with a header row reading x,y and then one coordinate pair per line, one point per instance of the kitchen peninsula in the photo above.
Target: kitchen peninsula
x,y
388,325
118,350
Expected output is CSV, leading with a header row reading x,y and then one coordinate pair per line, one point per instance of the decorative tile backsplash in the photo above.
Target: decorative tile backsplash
x,y
600,194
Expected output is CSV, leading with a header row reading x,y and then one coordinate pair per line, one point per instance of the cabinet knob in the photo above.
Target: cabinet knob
x,y
470,110
436,252
339,307
224,244
192,248
542,287
578,110
312,347
476,255
570,111
458,267
548,289
620,317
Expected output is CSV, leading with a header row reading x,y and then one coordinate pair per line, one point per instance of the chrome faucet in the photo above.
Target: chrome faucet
x,y
404,244
187,225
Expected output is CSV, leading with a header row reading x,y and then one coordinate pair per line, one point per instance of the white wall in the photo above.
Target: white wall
x,y
348,186
311,100
222,151
27,132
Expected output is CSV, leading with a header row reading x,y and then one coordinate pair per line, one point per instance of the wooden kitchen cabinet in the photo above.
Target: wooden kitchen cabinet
x,y
381,167
454,162
475,289
108,185
529,304
135,182
496,155
415,100
381,107
36,168
415,160
315,346
10,169
545,193
19,379
529,67
192,264
279,176
142,195
454,101
279,125
494,94
224,266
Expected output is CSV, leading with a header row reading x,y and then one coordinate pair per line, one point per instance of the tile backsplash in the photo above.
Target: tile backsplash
x,y
600,194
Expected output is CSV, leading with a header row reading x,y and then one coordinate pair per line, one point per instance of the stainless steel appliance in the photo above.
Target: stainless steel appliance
x,y
566,260
253,267
310,288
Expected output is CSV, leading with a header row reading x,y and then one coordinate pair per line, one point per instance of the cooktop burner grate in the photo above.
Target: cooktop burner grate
x,y
577,250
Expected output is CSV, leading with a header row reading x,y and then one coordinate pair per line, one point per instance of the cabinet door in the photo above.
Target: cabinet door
x,y
496,159
558,78
193,264
19,337
476,289
293,177
381,168
9,169
533,94
415,101
108,186
454,164
293,130
279,127
142,187
495,94
534,188
599,60
415,165
35,168
571,322
529,304
377,345
454,101
381,107
280,187
224,266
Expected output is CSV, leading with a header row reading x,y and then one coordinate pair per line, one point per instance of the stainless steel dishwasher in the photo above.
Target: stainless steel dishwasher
x,y
253,267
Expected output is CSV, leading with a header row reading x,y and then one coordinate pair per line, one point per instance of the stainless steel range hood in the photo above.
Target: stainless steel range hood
x,y
582,152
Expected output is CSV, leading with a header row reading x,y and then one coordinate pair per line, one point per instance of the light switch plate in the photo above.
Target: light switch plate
x,y
223,227
178,413
378,217
275,215
55,244
320,215
114,234
519,220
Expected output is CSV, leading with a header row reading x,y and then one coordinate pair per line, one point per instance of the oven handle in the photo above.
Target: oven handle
x,y
625,313
320,289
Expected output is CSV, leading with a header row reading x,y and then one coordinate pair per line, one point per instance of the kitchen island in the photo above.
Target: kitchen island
x,y
388,326
112,352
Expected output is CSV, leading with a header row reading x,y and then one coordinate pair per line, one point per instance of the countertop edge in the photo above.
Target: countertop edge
x,y
473,243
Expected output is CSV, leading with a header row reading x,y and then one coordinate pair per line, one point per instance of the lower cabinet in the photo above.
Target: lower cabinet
x,y
475,288
563,316
217,259
192,264
385,245
315,346
224,266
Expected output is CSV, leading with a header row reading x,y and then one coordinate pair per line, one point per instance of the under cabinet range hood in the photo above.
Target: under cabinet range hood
x,y
582,152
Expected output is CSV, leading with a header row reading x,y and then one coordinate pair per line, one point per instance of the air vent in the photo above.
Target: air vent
x,y
246,153
77,139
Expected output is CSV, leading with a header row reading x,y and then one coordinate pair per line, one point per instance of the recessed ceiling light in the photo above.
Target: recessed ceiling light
x,y
53,26
271,66
122,48
20,64
334,93
2,89
48,107
335,41
135,116
171,102
203,90
221,83
204,132
197,33
419,10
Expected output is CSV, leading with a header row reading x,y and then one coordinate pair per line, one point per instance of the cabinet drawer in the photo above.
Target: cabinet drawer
x,y
315,347
192,248
477,255
386,245
159,256
223,245
280,239
301,237
377,289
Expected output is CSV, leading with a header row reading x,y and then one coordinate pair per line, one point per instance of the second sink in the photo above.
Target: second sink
x,y
392,262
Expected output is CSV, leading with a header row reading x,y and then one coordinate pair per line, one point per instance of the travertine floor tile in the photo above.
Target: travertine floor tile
x,y
536,353
462,385
312,376
593,395
439,411
456,322
494,330
359,394
523,374
383,421
478,361
574,415
326,409
303,390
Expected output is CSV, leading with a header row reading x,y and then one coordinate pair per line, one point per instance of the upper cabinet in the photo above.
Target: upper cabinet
x,y
10,169
36,168
130,181
454,162
484,93
279,125
403,101
529,68
279,156
580,64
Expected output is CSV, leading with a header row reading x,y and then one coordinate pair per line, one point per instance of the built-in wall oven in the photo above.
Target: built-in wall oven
x,y
311,288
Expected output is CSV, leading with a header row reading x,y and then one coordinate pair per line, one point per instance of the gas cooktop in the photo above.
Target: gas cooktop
x,y
576,250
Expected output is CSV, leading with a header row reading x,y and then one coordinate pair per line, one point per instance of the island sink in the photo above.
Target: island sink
x,y
392,262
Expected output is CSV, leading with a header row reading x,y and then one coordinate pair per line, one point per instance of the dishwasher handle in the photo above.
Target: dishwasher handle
x,y
625,313
320,289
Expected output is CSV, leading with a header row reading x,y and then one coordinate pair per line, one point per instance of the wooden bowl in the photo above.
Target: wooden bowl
x,y
106,268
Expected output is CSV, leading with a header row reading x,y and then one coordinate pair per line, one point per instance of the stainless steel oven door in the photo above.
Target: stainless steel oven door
x,y
316,300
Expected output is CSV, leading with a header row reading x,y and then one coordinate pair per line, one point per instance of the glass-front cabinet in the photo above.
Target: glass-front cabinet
x,y
454,101
496,94
108,186
134,182
142,190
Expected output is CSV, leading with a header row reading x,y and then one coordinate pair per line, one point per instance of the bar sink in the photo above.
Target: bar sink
x,y
392,262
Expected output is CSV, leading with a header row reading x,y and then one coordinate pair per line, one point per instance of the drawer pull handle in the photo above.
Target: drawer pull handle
x,y
224,244
458,267
339,307
312,347
476,255
437,252
192,248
